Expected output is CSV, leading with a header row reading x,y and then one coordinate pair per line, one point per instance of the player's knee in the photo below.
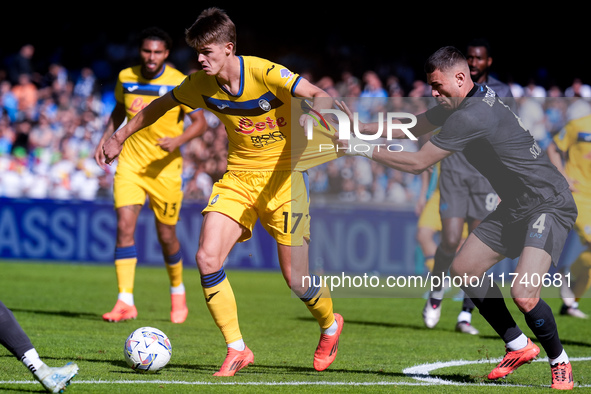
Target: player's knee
x,y
450,242
207,262
525,304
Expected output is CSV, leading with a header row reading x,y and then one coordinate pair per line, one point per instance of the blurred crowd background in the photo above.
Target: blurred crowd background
x,y
53,110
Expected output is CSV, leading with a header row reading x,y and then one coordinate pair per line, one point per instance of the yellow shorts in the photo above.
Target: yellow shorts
x,y
279,199
430,217
165,193
583,223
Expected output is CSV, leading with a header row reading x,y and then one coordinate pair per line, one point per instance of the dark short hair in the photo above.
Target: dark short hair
x,y
213,25
481,42
443,59
157,34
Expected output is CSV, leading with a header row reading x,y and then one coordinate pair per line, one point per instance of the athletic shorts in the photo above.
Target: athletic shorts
x,y
430,217
279,199
465,196
545,226
583,223
165,193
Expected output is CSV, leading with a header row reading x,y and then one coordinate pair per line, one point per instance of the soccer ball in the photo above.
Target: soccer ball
x,y
147,350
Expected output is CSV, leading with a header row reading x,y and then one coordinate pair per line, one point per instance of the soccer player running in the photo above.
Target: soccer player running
x,y
532,221
264,180
150,165
570,151
15,340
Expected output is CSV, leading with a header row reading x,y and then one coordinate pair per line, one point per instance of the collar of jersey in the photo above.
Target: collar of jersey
x,y
241,90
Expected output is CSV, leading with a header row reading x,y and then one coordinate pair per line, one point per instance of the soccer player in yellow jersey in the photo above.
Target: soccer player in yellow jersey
x,y
265,179
149,165
573,143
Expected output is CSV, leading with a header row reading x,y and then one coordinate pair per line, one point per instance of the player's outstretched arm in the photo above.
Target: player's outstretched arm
x,y
411,162
422,127
321,99
147,116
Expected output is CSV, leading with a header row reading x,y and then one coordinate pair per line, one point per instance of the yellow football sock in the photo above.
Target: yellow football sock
x,y
430,263
174,267
222,304
581,271
125,262
318,301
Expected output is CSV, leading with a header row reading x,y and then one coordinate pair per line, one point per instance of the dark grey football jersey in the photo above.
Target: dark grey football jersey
x,y
495,142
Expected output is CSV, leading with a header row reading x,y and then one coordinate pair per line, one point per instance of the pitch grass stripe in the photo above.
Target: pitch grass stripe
x,y
418,372
421,372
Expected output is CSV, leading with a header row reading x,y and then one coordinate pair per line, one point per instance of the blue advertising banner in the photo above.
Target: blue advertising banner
x,y
350,239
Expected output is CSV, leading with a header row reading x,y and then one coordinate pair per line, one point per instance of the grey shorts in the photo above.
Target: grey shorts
x,y
545,226
465,196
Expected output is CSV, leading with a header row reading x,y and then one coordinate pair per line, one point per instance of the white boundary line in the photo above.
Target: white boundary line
x,y
421,373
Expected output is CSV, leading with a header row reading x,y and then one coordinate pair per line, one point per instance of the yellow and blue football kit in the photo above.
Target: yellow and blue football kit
x,y
145,169
266,178
575,140
261,148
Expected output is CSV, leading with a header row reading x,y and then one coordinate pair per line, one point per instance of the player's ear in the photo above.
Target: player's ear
x,y
460,78
229,48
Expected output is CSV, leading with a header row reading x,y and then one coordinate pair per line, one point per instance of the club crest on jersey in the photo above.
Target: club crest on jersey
x,y
265,105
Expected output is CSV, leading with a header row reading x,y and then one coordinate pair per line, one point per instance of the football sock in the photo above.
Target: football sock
x,y
465,316
562,358
430,262
541,321
581,274
441,265
238,345
31,360
174,267
318,301
125,262
467,308
221,303
127,298
12,336
518,343
491,305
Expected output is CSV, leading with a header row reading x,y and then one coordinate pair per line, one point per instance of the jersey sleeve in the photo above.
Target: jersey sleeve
x,y
185,93
278,78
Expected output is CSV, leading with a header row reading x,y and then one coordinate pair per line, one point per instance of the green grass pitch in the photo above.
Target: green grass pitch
x,y
60,308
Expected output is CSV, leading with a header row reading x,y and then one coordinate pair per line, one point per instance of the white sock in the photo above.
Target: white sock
x,y
237,345
437,294
126,297
563,358
465,316
518,343
180,289
31,360
332,329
